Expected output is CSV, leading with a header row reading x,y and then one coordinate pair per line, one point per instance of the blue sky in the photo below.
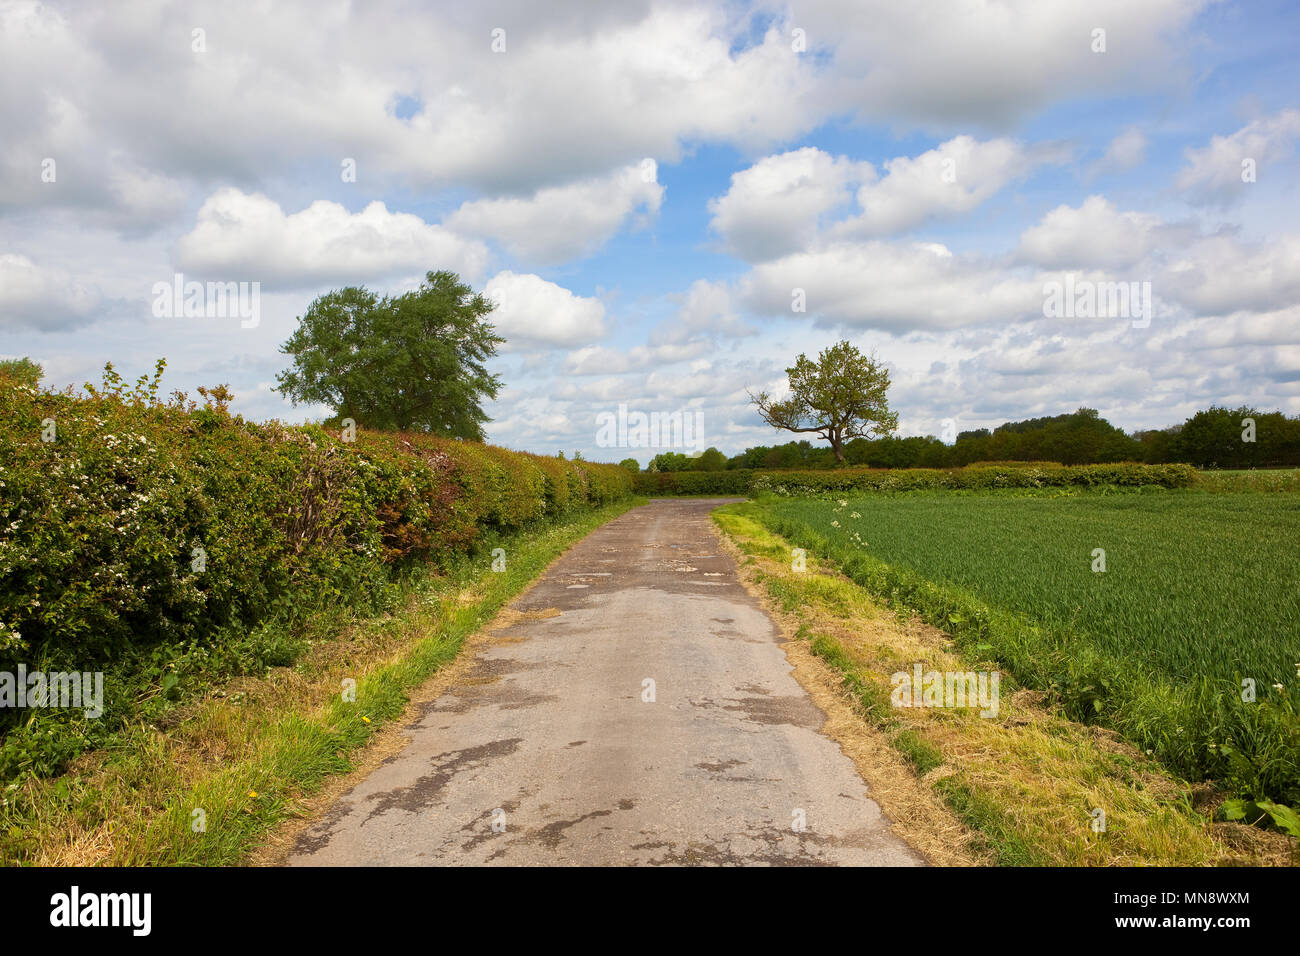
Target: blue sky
x,y
643,186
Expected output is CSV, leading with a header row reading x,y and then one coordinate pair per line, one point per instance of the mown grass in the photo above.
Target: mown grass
x,y
246,754
1199,594
1027,781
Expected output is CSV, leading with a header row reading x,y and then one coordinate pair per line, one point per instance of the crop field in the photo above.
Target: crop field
x,y
1198,593
1194,584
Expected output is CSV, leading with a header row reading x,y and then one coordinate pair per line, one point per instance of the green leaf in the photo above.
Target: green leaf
x,y
1233,810
1286,819
1265,812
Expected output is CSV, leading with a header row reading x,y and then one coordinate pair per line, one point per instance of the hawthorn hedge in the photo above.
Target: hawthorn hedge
x,y
748,482
145,524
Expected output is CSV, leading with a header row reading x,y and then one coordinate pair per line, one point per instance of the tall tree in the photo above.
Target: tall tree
x,y
841,396
1215,438
21,371
413,361
710,460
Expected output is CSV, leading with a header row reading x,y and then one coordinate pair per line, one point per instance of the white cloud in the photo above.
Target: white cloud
x,y
143,197
1219,275
249,236
577,92
893,286
1094,234
1125,151
707,310
1213,174
951,179
530,309
598,360
41,298
776,205
563,223
782,203
997,61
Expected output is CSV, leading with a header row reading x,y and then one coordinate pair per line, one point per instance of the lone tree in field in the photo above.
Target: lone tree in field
x,y
841,396
407,362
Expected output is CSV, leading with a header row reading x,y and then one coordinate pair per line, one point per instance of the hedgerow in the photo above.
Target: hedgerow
x,y
745,482
165,541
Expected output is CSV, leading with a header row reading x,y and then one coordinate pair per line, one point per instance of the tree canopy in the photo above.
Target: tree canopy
x,y
841,396
408,362
22,371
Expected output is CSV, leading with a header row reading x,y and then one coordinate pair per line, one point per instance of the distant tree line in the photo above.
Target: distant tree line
x,y
1214,438
709,460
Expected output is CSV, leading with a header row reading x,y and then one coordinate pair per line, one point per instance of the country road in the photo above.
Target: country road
x,y
550,753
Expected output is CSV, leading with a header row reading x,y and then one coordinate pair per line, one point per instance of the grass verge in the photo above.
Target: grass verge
x,y
207,788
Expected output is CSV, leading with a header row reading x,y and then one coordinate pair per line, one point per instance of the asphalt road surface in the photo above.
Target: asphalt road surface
x,y
551,751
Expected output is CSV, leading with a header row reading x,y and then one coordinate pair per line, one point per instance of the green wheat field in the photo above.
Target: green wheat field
x,y
1198,601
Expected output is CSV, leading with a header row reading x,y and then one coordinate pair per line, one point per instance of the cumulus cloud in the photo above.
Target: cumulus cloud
x,y
577,91
785,203
598,360
776,206
1095,234
143,198
563,223
894,286
707,310
238,235
42,298
1213,174
900,62
532,310
951,179
1219,275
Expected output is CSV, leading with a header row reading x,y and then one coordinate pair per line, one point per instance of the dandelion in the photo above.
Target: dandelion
x,y
366,719
252,793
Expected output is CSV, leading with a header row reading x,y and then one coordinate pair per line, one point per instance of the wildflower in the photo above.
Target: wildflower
x,y
252,793
366,719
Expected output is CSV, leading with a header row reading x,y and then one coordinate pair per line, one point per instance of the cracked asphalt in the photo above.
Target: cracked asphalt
x,y
552,752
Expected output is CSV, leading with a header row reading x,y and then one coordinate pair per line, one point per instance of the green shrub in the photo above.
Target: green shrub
x,y
156,541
